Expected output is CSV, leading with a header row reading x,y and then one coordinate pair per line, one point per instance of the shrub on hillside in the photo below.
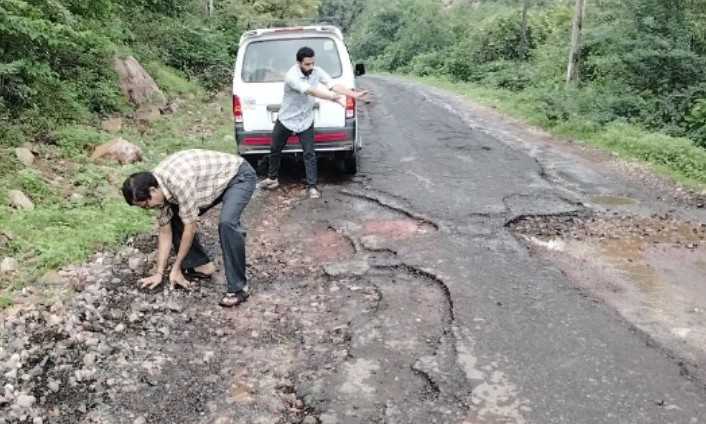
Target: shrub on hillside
x,y
196,50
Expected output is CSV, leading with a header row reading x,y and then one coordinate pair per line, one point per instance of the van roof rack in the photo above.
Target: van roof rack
x,y
321,27
269,22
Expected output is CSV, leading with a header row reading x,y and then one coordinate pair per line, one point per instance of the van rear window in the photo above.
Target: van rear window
x,y
269,60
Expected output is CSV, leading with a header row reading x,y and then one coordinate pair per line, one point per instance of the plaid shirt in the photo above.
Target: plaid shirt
x,y
193,179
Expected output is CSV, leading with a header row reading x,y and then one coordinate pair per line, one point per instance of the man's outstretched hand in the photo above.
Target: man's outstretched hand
x,y
362,95
151,282
176,278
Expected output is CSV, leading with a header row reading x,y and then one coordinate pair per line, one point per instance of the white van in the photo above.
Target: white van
x,y
264,57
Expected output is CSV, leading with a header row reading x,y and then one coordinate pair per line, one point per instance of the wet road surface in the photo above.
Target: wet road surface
x,y
523,343
427,289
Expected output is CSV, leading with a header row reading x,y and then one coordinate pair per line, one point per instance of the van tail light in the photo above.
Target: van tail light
x,y
237,109
350,107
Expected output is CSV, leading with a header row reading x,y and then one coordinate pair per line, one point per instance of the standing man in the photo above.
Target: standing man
x,y
303,82
183,186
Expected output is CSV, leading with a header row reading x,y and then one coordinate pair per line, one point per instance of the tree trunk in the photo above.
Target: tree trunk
x,y
572,72
524,47
208,6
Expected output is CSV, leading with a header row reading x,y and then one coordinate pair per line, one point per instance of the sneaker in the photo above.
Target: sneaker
x,y
314,193
269,184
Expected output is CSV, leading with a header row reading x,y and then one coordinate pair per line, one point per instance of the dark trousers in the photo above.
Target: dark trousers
x,y
280,134
230,230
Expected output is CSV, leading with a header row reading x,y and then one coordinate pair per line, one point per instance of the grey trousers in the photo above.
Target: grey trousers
x,y
230,230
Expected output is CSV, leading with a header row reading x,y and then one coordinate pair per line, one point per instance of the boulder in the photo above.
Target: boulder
x,y
119,150
112,125
19,200
8,265
136,84
30,146
25,155
171,107
52,278
137,264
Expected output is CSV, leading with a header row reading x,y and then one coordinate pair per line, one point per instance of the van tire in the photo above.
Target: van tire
x,y
350,164
259,163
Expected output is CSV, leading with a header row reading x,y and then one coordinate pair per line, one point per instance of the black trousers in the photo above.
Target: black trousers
x,y
280,134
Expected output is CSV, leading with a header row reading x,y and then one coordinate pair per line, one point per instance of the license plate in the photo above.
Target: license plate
x,y
274,116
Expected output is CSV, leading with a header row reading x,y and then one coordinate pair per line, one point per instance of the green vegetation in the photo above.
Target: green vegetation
x,y
678,157
642,70
78,207
641,93
57,84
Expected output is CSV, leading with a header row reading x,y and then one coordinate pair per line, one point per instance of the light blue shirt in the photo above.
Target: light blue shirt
x,y
297,110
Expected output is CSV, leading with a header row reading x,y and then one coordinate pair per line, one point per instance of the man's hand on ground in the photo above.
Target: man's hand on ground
x,y
176,278
151,282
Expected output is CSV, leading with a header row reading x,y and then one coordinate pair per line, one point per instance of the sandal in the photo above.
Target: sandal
x,y
234,299
191,272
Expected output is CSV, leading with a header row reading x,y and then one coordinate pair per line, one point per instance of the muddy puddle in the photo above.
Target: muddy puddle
x,y
613,201
652,270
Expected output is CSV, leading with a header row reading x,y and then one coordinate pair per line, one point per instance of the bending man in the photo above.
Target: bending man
x,y
183,186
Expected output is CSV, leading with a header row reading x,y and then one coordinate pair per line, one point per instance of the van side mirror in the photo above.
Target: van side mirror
x,y
359,69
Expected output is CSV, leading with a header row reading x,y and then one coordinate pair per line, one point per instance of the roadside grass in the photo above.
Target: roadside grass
x,y
678,158
78,207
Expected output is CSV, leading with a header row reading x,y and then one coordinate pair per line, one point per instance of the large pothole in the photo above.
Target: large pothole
x,y
651,269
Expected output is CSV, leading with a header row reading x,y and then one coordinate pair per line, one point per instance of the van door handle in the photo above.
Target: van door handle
x,y
275,108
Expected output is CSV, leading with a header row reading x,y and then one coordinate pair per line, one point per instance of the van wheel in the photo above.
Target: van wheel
x,y
259,163
350,164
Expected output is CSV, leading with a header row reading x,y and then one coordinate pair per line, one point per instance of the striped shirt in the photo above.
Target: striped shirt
x,y
193,179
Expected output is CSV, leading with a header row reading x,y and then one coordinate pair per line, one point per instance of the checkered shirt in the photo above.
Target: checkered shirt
x,y
193,179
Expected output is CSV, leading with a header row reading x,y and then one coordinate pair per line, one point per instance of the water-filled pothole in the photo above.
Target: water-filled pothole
x,y
649,268
613,200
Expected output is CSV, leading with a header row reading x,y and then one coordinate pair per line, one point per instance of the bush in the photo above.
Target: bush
x,y
678,154
77,140
696,121
431,63
197,51
31,182
170,80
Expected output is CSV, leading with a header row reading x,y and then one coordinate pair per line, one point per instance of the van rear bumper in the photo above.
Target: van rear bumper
x,y
335,139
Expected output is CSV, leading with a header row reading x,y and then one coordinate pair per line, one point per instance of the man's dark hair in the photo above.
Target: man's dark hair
x,y
304,52
136,187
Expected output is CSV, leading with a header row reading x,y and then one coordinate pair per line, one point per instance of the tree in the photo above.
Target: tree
x,y
283,9
524,46
572,72
341,13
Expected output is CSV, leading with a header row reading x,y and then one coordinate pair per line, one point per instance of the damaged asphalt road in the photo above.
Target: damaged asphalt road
x,y
428,289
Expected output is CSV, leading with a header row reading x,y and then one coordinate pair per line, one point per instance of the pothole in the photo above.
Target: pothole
x,y
327,245
613,200
376,207
394,337
649,268
654,229
395,229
